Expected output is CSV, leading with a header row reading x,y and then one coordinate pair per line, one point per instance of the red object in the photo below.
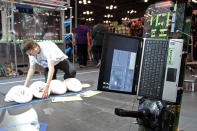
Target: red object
x,y
90,40
170,17
169,26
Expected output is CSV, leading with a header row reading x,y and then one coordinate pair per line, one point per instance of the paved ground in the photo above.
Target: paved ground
x,y
91,114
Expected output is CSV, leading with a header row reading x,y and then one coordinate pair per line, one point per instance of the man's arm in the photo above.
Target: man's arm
x,y
49,78
29,74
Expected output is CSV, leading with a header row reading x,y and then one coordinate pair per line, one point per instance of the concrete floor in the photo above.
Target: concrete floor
x,y
91,114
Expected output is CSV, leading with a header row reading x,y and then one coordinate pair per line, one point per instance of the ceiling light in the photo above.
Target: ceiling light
x,y
106,21
111,7
108,16
85,2
126,18
88,12
145,0
131,11
89,19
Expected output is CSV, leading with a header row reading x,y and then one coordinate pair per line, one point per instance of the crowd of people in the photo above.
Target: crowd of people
x,y
89,41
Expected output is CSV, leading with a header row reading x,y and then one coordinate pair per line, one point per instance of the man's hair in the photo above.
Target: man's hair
x,y
28,44
82,22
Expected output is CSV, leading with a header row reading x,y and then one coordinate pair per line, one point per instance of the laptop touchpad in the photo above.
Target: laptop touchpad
x,y
171,74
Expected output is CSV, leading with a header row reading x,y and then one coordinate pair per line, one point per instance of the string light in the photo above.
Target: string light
x,y
107,21
126,18
88,12
85,2
131,11
90,19
108,16
111,7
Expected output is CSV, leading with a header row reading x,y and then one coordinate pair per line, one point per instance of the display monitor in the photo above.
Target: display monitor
x,y
163,20
119,64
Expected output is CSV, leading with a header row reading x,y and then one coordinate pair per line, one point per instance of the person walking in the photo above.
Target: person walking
x,y
81,34
98,35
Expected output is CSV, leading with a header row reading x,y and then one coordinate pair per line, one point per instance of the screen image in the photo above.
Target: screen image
x,y
118,64
122,71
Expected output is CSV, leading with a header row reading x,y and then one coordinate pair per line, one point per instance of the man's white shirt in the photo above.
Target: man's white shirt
x,y
48,51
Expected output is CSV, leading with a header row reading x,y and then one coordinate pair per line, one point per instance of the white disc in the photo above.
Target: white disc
x,y
36,87
73,84
19,94
58,87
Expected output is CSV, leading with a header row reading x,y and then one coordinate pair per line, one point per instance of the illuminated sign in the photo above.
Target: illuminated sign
x,y
161,20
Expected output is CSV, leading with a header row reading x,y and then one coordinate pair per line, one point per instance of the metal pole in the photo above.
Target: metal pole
x,y
42,3
70,19
41,6
13,35
73,50
75,13
62,14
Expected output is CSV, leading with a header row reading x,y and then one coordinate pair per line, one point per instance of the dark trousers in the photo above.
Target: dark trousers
x,y
97,51
82,53
66,67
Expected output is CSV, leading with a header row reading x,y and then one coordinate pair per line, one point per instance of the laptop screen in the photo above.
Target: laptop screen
x,y
118,65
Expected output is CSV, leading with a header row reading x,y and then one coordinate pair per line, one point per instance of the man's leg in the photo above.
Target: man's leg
x,y
67,68
95,51
99,52
79,54
85,54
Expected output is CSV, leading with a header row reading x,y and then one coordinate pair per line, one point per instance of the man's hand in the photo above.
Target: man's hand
x,y
45,91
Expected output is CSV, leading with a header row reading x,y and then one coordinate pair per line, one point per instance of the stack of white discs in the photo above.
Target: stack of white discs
x,y
22,94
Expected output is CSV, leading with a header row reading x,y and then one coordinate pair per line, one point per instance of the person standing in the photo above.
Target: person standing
x,y
81,34
48,55
98,35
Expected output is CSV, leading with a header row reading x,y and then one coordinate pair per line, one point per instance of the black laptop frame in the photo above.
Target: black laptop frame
x,y
105,51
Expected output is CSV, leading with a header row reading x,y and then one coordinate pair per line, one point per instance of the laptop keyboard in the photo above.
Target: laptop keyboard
x,y
153,68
